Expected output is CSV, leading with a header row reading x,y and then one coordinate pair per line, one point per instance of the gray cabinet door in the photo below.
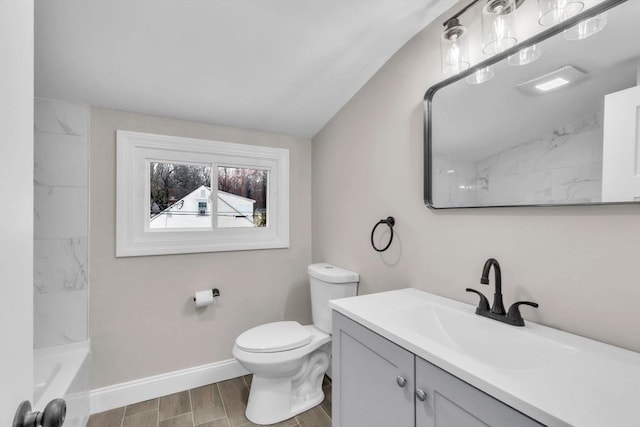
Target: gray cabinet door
x,y
451,402
366,389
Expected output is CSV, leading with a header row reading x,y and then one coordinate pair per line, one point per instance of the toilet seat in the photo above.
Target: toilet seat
x,y
274,337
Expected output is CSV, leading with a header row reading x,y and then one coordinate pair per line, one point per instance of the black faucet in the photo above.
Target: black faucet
x,y
497,311
498,306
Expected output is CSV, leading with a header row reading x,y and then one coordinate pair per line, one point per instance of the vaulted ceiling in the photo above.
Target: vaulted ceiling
x,y
281,66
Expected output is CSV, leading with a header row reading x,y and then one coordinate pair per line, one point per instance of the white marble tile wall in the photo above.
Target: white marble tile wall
x,y
562,167
61,222
60,160
61,117
455,182
60,212
60,264
60,318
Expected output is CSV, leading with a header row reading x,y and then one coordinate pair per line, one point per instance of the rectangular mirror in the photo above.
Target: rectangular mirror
x,y
562,130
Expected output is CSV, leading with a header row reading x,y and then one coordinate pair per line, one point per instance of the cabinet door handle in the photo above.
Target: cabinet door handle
x,y
402,381
421,395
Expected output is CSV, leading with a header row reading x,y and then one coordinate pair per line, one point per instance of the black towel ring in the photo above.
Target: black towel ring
x,y
390,221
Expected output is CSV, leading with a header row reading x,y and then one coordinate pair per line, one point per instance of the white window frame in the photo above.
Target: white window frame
x,y
136,151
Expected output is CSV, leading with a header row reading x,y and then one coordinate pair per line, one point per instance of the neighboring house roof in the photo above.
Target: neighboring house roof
x,y
233,211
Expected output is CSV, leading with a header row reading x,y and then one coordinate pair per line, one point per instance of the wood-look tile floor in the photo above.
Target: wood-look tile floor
x,y
215,405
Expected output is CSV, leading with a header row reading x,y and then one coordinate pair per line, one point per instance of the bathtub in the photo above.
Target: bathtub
x,y
63,371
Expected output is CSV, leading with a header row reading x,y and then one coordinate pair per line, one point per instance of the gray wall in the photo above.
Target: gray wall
x,y
580,263
143,321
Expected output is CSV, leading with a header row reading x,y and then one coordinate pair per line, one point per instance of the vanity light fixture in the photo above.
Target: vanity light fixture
x,y
552,12
525,56
454,47
497,26
498,33
483,75
586,28
560,78
497,23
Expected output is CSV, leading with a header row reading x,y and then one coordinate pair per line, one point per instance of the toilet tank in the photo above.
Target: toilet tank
x,y
329,282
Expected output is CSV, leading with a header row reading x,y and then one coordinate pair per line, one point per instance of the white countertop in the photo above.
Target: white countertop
x,y
556,378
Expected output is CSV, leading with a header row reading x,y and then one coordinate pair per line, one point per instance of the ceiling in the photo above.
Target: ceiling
x,y
280,66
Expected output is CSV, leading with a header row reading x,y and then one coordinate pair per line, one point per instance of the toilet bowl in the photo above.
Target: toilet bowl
x,y
288,360
286,382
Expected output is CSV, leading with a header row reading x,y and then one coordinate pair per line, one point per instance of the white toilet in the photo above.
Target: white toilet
x,y
288,360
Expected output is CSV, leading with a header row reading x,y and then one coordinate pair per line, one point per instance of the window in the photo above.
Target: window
x,y
175,193
242,197
202,208
182,195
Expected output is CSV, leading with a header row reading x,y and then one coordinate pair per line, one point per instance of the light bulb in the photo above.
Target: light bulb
x,y
552,12
586,28
483,75
525,56
497,24
454,48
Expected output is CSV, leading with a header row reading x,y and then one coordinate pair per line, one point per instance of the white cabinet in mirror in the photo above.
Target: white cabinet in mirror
x,y
183,195
521,140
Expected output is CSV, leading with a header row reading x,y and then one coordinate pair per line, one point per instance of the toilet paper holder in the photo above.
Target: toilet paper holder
x,y
215,292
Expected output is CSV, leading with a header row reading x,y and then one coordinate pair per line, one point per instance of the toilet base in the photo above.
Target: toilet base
x,y
275,399
270,402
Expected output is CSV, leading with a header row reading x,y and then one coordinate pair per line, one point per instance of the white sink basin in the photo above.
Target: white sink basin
x,y
483,340
555,377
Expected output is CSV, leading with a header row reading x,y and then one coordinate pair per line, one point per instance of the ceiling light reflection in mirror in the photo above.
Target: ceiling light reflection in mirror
x,y
553,12
526,55
586,28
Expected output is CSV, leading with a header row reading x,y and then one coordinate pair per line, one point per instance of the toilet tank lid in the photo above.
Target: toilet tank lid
x,y
332,274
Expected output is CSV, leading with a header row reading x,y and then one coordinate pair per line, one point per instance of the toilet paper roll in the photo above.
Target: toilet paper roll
x,y
203,298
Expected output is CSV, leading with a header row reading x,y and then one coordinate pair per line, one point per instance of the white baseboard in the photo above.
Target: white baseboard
x,y
117,395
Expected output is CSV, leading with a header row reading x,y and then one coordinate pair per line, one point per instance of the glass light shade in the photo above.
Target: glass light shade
x,y
483,75
454,47
525,56
497,26
552,12
586,28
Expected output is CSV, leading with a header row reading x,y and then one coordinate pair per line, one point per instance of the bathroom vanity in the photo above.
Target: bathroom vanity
x,y
409,358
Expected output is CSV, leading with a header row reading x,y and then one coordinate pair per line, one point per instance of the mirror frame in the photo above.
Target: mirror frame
x,y
428,98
